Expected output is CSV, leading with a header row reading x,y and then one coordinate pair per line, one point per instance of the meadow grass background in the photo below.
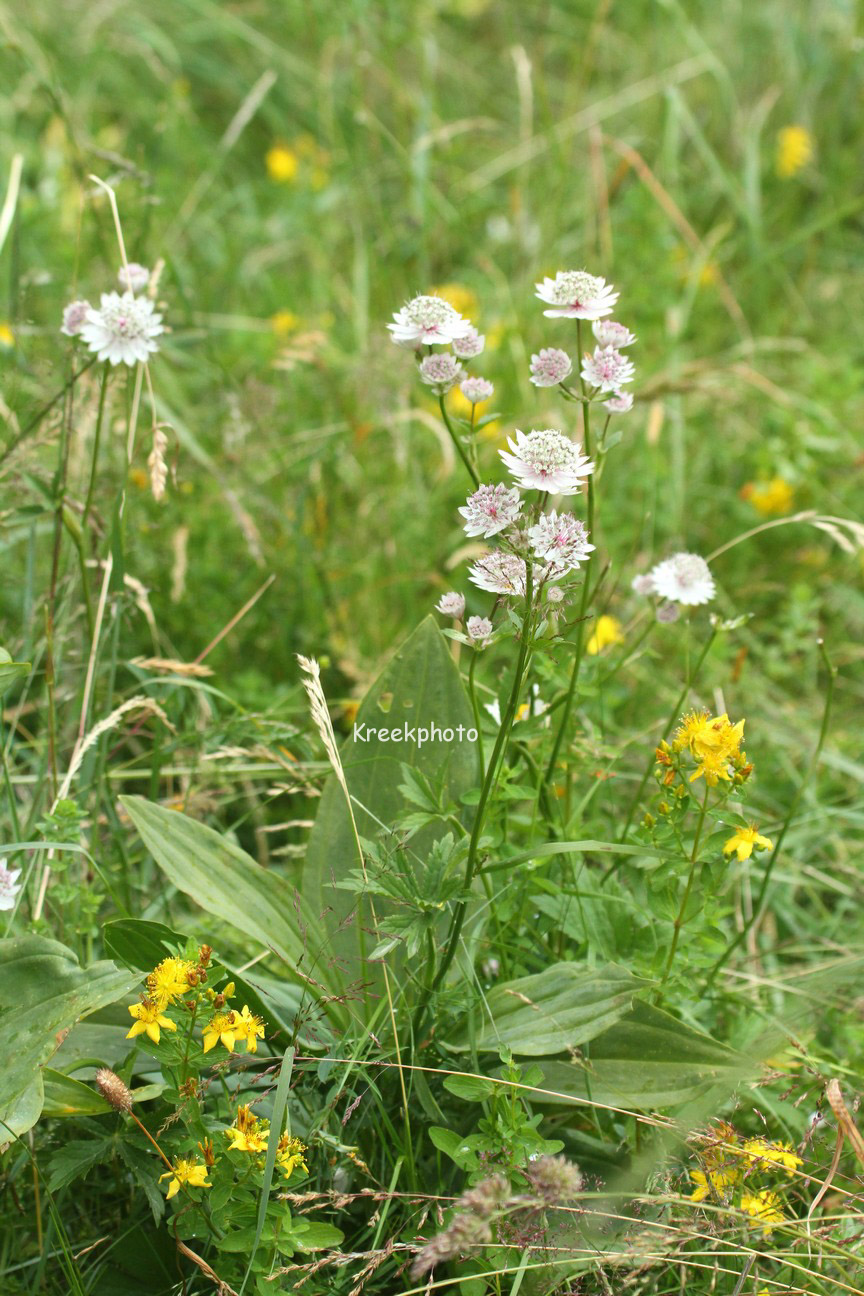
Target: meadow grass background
x,y
473,144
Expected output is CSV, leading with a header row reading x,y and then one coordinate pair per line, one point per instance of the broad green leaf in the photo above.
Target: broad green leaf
x,y
420,687
65,1096
471,1088
138,943
226,882
316,1235
10,671
553,1010
22,1111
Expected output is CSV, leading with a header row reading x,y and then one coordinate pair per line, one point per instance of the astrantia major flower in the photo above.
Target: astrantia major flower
x,y
428,320
150,1020
440,371
9,886
133,277
476,389
561,540
683,578
744,841
611,333
186,1174
123,330
607,369
499,572
575,294
451,605
490,509
74,316
479,629
550,367
470,344
620,402
547,461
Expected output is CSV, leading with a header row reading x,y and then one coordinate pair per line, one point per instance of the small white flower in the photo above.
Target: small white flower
x,y
479,629
490,509
550,367
683,578
643,584
576,294
133,277
9,886
547,461
451,605
611,333
440,371
427,320
476,389
607,369
74,316
123,330
470,344
560,539
554,594
620,402
500,573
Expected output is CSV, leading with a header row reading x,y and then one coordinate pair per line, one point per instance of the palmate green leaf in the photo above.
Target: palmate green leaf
x,y
226,882
559,1008
43,991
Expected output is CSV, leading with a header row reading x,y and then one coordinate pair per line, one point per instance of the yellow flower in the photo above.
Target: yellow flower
x,y
289,1155
606,631
780,1154
687,730
249,1028
714,742
282,163
191,1174
221,1027
772,498
168,981
712,1183
7,337
744,840
794,150
764,1206
248,1133
148,1020
462,299
284,322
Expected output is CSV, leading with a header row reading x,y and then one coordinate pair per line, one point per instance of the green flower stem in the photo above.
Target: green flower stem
x,y
454,437
679,921
475,707
97,438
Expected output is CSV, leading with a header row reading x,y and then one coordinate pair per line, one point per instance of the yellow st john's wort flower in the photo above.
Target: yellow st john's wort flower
x,y
282,163
249,1028
183,1173
248,1133
149,1019
761,1151
764,1207
794,150
607,631
169,980
712,1183
221,1028
744,840
289,1155
773,498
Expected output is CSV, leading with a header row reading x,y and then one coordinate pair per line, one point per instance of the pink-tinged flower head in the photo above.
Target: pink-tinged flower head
x,y
554,595
476,389
133,277
550,367
575,294
643,584
561,540
440,371
499,573
9,885
451,605
470,344
667,613
479,629
74,316
620,402
426,321
547,461
611,333
607,369
684,578
123,330
490,509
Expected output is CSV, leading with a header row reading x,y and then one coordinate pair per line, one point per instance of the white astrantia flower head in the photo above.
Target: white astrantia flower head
x,y
451,605
427,320
440,371
133,277
470,344
476,389
620,402
684,578
611,333
479,629
499,572
550,367
74,316
561,540
607,369
123,330
547,460
643,584
490,509
668,612
9,885
575,294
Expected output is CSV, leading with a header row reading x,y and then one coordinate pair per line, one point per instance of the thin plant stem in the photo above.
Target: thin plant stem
x,y
97,439
475,706
454,437
679,921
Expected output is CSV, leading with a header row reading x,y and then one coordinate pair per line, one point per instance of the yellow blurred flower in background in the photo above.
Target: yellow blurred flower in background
x,y
606,631
284,322
282,163
794,150
771,498
462,299
7,337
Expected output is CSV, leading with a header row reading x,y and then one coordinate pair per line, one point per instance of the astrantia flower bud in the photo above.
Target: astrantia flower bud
x,y
470,344
476,389
113,1090
550,367
619,402
490,509
440,372
667,613
642,584
554,594
561,540
611,333
607,369
451,605
479,629
74,316
133,277
575,294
